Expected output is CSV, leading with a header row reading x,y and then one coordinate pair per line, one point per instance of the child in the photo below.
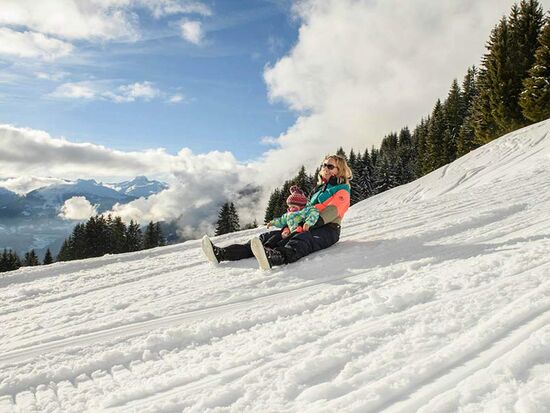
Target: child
x,y
298,214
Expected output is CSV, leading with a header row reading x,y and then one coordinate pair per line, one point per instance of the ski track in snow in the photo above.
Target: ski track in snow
x,y
436,299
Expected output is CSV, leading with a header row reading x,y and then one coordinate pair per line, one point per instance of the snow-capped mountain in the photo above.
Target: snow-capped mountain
x,y
10,203
139,187
436,299
31,221
53,196
46,201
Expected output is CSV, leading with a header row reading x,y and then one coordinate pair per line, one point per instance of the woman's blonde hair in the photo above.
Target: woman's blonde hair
x,y
344,174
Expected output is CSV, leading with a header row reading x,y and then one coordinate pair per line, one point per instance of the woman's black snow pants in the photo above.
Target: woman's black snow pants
x,y
293,248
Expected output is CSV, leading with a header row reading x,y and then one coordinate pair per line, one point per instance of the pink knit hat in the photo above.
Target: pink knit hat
x,y
297,197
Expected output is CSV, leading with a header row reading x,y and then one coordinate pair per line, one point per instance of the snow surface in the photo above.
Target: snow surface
x,y
436,299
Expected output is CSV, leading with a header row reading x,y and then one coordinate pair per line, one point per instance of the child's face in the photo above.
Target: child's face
x,y
293,208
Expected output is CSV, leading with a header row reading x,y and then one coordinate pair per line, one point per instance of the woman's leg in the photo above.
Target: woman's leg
x,y
271,239
237,252
306,242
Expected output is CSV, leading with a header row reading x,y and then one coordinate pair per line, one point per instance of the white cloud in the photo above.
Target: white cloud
x,y
77,90
33,152
144,91
176,98
361,69
199,183
45,22
129,93
161,8
32,45
55,76
25,184
77,208
191,31
72,19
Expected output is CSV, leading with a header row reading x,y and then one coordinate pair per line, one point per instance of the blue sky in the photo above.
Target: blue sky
x,y
239,93
224,102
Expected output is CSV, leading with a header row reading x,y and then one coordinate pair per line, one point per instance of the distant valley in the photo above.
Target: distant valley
x,y
31,221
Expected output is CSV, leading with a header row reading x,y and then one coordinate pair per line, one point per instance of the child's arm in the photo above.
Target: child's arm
x,y
311,217
280,222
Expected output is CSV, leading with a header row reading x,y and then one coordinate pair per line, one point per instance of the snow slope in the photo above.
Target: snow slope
x,y
436,299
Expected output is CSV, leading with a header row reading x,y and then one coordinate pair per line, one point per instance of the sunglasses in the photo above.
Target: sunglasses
x,y
329,166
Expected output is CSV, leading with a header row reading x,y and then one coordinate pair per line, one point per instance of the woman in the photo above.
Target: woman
x,y
331,199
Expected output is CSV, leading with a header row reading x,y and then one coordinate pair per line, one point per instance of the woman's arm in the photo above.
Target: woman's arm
x,y
333,208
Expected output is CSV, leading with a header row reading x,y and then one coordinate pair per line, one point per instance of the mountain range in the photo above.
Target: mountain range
x,y
31,221
46,201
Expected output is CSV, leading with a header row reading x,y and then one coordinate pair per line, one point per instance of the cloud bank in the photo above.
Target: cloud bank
x,y
77,208
22,185
199,183
32,45
51,27
362,69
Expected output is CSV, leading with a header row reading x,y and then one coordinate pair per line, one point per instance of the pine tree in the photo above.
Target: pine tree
x,y
470,89
366,175
222,225
526,23
511,53
149,237
78,244
466,137
374,156
134,237
4,261
482,120
420,136
535,99
233,218
118,230
435,140
341,152
303,181
405,157
455,112
31,259
386,175
14,260
389,145
354,163
97,236
65,253
48,259
161,241
271,205
9,261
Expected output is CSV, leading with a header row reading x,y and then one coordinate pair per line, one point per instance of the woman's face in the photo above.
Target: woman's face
x,y
328,169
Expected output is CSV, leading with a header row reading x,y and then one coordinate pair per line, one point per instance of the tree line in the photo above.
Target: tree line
x,y
9,260
510,90
102,235
98,236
